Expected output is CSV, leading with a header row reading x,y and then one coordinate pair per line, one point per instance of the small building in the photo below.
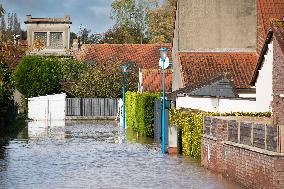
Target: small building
x,y
48,36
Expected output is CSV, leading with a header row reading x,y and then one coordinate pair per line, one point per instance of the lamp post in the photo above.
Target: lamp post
x,y
163,54
124,69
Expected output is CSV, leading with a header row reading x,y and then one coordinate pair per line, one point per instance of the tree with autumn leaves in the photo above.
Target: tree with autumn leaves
x,y
139,22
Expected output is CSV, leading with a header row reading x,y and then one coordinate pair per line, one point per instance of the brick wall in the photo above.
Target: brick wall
x,y
278,83
250,166
278,90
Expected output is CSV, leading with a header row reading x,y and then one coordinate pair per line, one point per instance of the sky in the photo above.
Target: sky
x,y
94,14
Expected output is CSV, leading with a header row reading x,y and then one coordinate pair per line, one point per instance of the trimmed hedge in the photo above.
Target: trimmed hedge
x,y
191,124
37,76
140,112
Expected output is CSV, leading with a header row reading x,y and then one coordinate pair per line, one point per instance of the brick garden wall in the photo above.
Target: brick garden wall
x,y
243,151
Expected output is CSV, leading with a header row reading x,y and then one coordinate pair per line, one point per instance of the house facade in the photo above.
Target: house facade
x,y
48,36
212,26
201,51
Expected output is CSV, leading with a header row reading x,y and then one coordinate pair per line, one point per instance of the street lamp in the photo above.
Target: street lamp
x,y
163,55
124,69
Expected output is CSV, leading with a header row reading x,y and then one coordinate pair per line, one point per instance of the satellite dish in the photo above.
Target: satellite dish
x,y
166,64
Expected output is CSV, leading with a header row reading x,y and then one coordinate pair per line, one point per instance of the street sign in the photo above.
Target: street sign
x,y
166,64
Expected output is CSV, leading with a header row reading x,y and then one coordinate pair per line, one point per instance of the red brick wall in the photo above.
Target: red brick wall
x,y
278,84
245,165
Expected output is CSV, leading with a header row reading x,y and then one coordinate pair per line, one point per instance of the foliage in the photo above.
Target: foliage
x,y
10,28
6,84
123,35
140,112
142,21
50,73
86,37
72,37
191,123
37,76
104,79
2,11
70,69
130,18
161,22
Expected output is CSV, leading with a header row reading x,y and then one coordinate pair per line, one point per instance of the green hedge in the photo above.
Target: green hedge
x,y
191,124
36,76
140,112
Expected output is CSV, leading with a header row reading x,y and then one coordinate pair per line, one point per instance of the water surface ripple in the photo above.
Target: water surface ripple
x,y
92,155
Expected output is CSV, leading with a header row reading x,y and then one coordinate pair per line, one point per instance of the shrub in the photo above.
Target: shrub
x,y
191,124
37,76
140,112
6,84
104,80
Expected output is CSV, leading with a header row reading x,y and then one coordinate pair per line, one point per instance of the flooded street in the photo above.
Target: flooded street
x,y
93,155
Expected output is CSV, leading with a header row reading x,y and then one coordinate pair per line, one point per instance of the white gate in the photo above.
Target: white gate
x,y
49,107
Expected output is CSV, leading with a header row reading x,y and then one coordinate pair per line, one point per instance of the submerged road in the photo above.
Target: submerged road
x,y
92,155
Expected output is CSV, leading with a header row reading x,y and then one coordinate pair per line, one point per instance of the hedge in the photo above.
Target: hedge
x,y
140,112
36,76
191,124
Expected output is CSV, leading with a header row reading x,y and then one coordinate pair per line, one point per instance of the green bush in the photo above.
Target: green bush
x,y
6,84
37,76
191,124
140,112
104,80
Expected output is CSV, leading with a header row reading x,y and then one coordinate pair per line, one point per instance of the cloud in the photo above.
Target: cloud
x,y
94,13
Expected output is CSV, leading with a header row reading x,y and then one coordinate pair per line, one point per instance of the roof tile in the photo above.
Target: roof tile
x,y
267,10
152,80
200,66
145,55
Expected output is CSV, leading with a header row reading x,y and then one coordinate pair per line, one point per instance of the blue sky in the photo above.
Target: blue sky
x,y
93,13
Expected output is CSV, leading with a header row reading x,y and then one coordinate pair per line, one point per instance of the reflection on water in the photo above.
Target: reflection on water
x,y
92,155
46,129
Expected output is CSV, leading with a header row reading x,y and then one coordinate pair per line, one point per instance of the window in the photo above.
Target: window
x,y
41,36
56,40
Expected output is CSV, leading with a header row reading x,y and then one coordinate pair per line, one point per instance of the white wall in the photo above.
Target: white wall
x,y
247,95
50,107
264,82
213,104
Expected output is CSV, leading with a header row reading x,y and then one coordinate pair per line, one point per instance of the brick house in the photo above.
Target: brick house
x,y
145,56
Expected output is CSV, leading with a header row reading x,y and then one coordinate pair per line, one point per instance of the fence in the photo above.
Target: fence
x,y
91,107
257,134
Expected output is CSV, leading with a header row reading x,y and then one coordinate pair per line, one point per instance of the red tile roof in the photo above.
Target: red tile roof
x,y
145,55
152,80
200,66
267,10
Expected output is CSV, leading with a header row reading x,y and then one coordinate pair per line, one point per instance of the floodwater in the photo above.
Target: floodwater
x,y
94,155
